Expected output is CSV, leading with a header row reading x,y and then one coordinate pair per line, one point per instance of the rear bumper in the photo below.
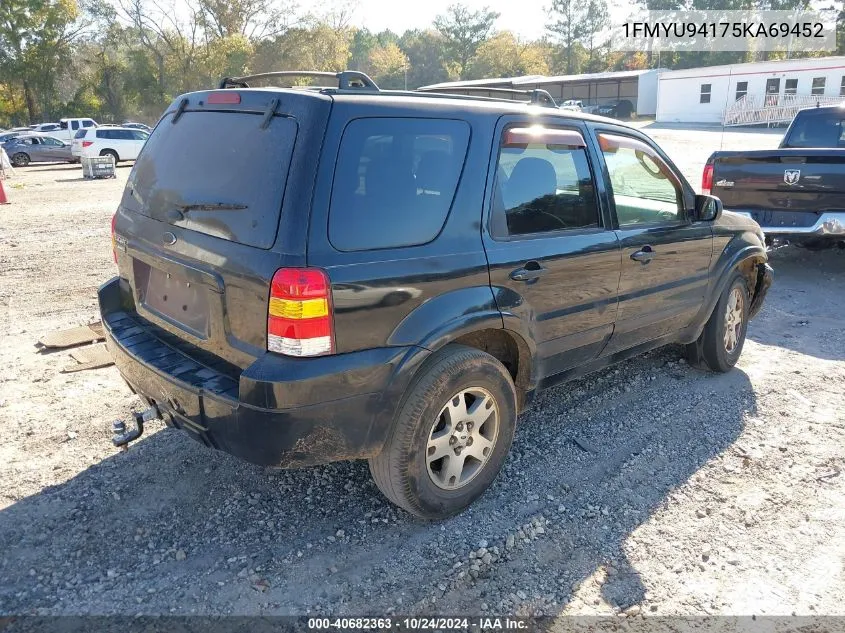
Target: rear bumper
x,y
825,225
279,411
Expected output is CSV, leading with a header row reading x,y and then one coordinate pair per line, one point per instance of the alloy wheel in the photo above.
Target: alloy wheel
x,y
733,320
462,438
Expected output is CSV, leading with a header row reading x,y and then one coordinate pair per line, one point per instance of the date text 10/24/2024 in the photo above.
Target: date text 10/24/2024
x,y
420,624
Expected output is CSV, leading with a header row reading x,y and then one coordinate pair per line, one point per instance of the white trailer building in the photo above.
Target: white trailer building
x,y
743,94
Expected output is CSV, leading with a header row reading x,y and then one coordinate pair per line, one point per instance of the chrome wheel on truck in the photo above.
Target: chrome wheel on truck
x,y
451,435
462,438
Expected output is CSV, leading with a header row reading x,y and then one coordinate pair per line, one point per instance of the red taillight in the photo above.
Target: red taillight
x,y
226,97
299,317
87,143
707,179
113,239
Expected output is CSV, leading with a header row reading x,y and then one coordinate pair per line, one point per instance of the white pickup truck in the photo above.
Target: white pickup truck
x,y
69,127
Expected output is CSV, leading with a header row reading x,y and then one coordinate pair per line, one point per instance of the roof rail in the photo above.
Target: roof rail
x,y
346,80
538,96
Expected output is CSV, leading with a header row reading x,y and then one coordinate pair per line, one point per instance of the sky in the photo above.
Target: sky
x,y
526,18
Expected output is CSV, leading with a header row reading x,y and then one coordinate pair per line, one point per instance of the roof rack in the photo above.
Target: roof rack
x,y
538,95
346,80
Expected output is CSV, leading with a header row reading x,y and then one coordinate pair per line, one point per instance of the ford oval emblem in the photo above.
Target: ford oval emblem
x,y
169,238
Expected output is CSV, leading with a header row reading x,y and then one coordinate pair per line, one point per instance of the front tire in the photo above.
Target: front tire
x,y
720,344
451,436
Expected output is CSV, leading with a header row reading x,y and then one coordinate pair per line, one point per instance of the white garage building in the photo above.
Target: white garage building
x,y
742,94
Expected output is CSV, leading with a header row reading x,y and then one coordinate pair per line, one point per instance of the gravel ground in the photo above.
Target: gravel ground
x,y
647,488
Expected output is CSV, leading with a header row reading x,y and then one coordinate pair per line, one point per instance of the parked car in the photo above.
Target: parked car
x,y
35,148
138,126
617,109
796,192
5,136
552,245
574,105
119,142
46,127
68,127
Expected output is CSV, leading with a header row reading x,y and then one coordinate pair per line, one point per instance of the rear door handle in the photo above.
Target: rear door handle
x,y
531,271
644,255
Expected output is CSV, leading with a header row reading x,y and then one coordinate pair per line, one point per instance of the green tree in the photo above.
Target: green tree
x,y
426,52
504,55
35,46
464,31
596,21
387,65
567,17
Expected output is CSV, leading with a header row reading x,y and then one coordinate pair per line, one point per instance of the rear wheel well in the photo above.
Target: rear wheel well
x,y
508,349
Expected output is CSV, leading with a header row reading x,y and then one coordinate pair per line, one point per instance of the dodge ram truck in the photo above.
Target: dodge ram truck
x,y
796,192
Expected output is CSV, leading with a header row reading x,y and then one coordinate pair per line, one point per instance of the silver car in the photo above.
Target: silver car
x,y
33,148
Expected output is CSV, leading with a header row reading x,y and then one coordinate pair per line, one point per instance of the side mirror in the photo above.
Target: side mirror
x,y
707,208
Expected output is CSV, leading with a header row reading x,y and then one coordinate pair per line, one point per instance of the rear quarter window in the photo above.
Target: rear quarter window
x,y
394,182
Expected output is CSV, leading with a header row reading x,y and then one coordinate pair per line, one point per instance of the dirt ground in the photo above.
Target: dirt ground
x,y
648,488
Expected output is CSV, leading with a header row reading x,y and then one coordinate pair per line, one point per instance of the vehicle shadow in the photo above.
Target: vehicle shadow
x,y
803,310
173,527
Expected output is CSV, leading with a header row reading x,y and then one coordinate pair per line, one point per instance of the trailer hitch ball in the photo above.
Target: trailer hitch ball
x,y
118,429
122,437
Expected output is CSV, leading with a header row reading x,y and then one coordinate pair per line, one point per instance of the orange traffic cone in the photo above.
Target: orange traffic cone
x,y
3,199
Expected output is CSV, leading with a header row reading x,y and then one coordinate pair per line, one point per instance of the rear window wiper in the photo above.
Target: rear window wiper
x,y
211,206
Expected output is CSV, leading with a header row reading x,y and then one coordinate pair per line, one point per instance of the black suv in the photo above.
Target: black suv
x,y
319,274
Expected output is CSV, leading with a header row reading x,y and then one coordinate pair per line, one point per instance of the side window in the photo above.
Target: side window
x,y
394,181
140,135
74,125
47,140
705,93
645,190
791,87
104,134
543,183
87,123
741,89
818,86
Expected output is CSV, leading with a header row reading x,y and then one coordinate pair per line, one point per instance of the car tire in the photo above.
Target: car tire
x,y
20,159
112,153
462,406
720,344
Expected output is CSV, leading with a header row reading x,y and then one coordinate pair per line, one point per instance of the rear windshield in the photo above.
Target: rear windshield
x,y
811,129
394,181
80,134
222,172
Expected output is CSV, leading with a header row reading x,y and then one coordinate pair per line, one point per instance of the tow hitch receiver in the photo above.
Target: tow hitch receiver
x,y
122,437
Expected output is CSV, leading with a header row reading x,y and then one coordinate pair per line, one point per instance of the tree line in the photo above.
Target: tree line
x,y
127,59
